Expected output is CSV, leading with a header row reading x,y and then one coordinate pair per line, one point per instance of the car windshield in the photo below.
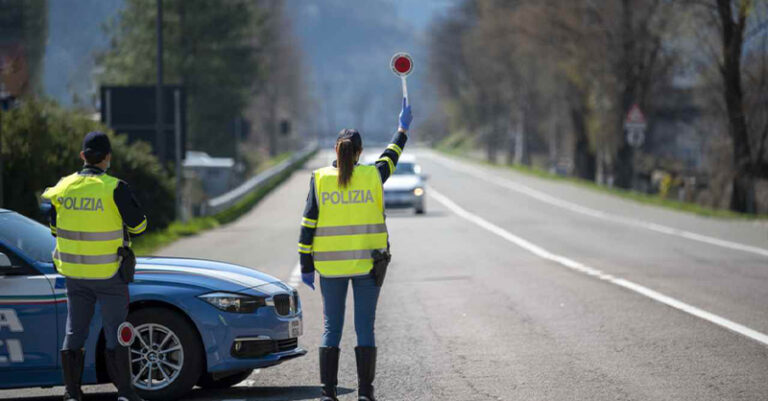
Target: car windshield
x,y
405,169
33,238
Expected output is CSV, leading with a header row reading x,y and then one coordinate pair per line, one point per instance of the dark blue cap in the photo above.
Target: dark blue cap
x,y
96,143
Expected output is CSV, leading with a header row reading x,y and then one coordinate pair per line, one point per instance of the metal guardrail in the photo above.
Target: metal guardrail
x,y
226,200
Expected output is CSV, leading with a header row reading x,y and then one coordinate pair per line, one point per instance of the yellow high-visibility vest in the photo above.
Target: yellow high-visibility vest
x,y
350,222
89,228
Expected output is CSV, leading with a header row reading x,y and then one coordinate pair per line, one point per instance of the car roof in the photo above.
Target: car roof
x,y
5,210
407,158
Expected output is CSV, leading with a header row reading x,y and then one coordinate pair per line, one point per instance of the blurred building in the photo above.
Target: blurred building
x,y
216,175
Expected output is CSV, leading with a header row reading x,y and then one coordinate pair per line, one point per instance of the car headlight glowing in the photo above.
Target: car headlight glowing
x,y
231,302
418,191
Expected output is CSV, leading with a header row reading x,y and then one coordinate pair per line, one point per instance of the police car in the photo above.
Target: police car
x,y
197,322
405,188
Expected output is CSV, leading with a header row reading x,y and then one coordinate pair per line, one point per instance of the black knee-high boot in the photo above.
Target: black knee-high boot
x,y
72,362
329,370
366,372
119,368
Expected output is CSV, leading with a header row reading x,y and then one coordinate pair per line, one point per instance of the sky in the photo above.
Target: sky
x,y
347,47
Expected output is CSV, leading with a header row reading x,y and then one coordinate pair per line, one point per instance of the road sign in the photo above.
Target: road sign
x,y
402,65
635,125
131,110
635,137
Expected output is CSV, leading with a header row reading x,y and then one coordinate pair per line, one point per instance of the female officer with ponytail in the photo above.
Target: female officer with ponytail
x,y
343,225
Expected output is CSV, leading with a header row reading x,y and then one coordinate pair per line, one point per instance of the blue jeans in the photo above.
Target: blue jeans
x,y
366,295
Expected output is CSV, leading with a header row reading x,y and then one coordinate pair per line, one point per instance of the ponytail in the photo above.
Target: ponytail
x,y
347,151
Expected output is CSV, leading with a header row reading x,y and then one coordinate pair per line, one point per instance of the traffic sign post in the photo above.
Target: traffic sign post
x,y
402,66
635,125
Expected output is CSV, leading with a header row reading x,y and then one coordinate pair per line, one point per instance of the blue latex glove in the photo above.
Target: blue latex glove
x,y
405,116
309,279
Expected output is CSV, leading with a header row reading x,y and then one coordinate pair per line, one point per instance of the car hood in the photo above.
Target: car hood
x,y
206,274
402,182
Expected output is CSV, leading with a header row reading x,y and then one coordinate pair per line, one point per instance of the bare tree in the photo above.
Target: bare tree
x,y
740,59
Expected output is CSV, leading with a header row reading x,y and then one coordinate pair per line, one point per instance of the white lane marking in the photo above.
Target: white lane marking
x,y
249,382
295,276
590,271
525,190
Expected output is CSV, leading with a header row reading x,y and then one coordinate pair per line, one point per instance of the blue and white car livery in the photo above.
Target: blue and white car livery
x,y
198,322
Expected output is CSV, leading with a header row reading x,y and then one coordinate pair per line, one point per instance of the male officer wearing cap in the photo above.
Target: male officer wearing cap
x,y
92,217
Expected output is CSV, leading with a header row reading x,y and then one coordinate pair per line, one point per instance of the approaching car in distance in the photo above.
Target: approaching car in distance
x,y
198,322
406,187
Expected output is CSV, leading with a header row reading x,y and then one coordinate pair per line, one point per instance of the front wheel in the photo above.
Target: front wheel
x,y
166,357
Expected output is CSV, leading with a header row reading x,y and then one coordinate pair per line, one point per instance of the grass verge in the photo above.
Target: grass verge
x,y
639,197
150,242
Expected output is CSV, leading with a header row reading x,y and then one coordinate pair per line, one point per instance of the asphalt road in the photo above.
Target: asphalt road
x,y
518,288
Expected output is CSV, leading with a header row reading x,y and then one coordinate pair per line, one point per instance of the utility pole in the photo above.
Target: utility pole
x,y
2,110
180,215
160,140
4,96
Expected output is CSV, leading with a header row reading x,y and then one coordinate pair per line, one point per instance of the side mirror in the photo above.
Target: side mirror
x,y
5,262
7,268
424,177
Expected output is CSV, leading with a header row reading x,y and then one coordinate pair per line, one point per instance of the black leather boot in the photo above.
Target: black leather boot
x,y
119,369
366,372
329,370
72,372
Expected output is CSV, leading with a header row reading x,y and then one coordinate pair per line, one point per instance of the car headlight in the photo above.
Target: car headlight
x,y
231,302
418,191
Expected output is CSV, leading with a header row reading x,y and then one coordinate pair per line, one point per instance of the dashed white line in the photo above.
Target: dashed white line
x,y
248,382
546,198
590,271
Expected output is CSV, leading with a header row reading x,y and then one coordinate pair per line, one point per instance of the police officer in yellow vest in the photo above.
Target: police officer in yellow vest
x,y
343,225
93,215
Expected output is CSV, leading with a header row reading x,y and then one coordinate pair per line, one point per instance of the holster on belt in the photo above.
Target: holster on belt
x,y
381,258
127,264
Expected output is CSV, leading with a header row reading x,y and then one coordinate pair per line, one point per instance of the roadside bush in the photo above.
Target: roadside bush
x,y
42,143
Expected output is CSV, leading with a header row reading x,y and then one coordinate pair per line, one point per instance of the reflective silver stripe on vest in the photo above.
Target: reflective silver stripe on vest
x,y
342,255
89,236
351,230
85,259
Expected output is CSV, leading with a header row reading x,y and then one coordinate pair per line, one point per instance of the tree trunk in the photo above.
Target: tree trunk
x,y
623,167
491,144
521,150
743,194
584,160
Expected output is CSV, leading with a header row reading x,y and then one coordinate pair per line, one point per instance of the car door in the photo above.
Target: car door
x,y
28,318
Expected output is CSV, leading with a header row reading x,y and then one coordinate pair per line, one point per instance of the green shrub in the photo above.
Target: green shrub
x,y
42,143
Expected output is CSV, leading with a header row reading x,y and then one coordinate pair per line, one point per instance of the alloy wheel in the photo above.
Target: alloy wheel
x,y
157,357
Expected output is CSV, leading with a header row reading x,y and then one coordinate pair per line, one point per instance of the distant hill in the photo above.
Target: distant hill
x,y
349,45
